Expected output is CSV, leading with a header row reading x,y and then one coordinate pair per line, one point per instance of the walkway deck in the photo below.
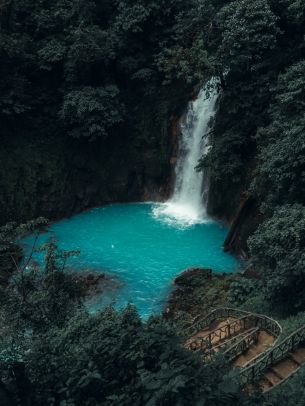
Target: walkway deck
x,y
250,342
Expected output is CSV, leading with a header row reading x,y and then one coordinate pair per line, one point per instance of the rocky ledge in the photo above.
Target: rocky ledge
x,y
96,283
197,290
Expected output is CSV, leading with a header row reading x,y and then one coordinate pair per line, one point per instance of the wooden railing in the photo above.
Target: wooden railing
x,y
221,333
199,322
255,369
234,346
242,345
258,320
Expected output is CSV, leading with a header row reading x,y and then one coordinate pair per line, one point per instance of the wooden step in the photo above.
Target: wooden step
x,y
293,362
295,359
265,340
251,353
298,355
265,384
272,377
240,361
246,357
285,368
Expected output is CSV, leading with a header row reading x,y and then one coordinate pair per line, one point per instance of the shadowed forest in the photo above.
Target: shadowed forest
x,y
90,96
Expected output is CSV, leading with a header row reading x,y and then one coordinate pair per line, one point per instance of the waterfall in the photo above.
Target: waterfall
x,y
189,200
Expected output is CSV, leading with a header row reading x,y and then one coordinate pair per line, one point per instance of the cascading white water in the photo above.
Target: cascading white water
x,y
188,203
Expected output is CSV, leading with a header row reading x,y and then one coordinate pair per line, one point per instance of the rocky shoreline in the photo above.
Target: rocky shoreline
x,y
96,283
198,290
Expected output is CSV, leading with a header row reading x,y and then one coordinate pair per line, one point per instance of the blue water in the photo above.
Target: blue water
x,y
144,251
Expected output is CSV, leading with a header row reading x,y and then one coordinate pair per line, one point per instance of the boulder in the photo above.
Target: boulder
x,y
193,276
96,283
196,291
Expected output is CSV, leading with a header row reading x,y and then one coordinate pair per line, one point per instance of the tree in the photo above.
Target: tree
x,y
280,176
92,112
277,252
114,358
249,31
39,297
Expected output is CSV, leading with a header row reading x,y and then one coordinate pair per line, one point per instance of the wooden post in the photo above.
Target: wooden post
x,y
292,342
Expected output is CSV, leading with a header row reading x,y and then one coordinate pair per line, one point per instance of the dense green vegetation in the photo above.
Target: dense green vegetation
x,y
73,66
256,48
80,85
88,93
52,351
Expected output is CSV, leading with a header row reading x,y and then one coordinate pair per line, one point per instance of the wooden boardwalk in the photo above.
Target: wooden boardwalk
x,y
282,370
264,342
238,334
251,342
277,364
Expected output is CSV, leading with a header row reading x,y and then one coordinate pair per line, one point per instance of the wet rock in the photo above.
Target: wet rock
x,y
173,161
175,124
245,222
251,273
193,276
182,298
197,290
95,283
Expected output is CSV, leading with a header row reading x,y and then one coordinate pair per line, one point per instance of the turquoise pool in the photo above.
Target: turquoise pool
x,y
142,247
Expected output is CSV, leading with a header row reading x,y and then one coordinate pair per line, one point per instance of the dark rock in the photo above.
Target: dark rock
x,y
197,290
246,221
95,283
192,276
61,177
251,273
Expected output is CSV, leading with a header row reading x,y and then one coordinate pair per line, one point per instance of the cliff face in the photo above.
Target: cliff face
x,y
46,172
238,209
59,177
232,162
244,223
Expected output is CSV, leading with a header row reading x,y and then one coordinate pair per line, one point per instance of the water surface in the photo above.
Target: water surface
x,y
141,246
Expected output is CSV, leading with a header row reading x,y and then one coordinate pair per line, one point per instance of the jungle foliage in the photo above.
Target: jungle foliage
x,y
92,70
256,50
76,71
53,352
81,67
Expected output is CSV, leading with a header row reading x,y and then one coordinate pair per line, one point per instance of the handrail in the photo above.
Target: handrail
x,y
199,323
242,345
259,356
219,328
254,368
231,344
264,322
222,332
254,371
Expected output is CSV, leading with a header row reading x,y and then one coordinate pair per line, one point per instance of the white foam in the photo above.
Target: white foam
x,y
179,214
